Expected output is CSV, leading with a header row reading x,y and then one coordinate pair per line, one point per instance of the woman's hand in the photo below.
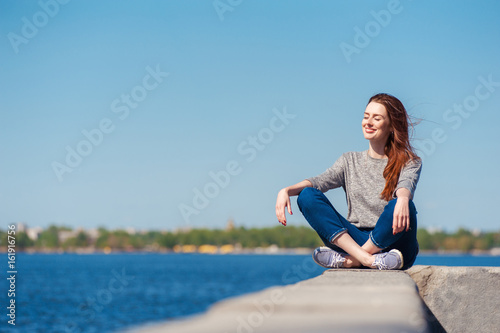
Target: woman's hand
x,y
282,202
401,219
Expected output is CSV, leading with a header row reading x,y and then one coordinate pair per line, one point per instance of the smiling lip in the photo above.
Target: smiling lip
x,y
369,130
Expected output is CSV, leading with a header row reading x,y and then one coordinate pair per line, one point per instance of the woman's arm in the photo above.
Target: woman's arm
x,y
407,183
401,219
283,200
409,176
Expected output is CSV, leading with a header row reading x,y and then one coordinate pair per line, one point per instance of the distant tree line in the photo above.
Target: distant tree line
x,y
289,237
462,240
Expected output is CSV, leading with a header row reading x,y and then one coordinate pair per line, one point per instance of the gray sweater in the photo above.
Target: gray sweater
x,y
361,177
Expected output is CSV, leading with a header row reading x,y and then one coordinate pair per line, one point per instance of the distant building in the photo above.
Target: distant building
x,y
208,249
130,230
495,251
64,235
230,225
183,229
228,248
433,230
93,233
185,248
34,233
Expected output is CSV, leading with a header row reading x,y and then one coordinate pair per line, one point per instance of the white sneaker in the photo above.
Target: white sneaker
x,y
328,258
388,260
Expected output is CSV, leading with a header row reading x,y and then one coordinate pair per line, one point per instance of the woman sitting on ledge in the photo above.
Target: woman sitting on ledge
x,y
381,226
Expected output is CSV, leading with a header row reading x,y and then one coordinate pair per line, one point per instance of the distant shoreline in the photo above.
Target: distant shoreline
x,y
263,251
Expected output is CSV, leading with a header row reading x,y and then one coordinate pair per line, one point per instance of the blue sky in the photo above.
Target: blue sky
x,y
261,94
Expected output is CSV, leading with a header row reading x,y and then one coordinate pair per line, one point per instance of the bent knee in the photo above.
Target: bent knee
x,y
306,195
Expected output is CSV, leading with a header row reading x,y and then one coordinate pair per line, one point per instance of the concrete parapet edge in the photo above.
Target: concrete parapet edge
x,y
346,300
461,299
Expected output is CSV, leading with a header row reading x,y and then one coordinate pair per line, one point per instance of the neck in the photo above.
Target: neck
x,y
377,150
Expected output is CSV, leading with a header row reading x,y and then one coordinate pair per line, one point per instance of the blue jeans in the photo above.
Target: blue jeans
x,y
329,224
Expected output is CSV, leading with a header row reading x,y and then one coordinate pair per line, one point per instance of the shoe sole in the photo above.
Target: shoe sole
x,y
400,255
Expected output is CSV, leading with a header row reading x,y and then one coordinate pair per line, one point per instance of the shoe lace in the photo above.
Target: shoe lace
x,y
336,260
379,263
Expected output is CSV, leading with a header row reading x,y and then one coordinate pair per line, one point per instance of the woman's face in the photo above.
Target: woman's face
x,y
376,123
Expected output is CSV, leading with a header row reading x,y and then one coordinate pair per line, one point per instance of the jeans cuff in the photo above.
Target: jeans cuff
x,y
337,235
375,243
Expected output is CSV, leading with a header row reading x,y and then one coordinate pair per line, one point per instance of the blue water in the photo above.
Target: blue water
x,y
104,293
457,260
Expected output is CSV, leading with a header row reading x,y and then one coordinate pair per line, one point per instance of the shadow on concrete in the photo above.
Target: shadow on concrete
x,y
433,323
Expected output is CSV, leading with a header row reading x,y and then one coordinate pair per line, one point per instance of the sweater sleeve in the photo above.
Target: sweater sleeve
x,y
332,178
409,176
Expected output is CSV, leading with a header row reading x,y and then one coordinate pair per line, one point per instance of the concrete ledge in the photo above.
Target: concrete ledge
x,y
338,301
462,299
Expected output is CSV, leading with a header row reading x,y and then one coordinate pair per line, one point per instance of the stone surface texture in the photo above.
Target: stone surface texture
x,y
457,299
463,299
346,300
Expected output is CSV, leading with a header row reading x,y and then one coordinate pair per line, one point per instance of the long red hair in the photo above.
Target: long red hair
x,y
397,148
